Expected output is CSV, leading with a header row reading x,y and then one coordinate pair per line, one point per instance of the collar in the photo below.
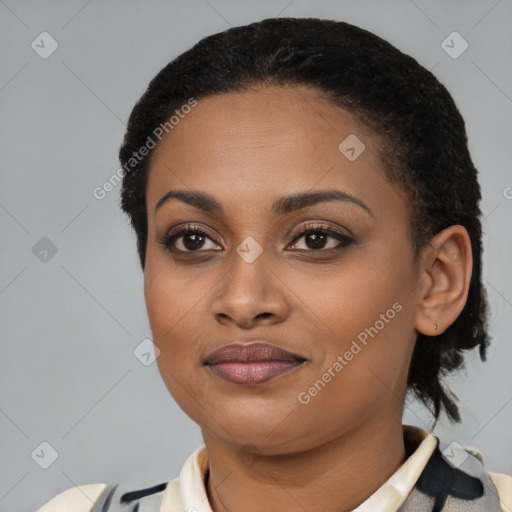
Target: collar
x,y
391,495
190,491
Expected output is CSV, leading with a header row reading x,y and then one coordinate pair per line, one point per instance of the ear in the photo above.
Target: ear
x,y
445,274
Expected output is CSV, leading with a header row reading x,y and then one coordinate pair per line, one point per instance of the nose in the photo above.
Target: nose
x,y
250,294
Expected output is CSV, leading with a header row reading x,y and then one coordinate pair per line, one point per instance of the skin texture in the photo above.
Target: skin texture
x,y
266,449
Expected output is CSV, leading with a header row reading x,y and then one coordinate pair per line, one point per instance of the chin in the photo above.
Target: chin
x,y
268,428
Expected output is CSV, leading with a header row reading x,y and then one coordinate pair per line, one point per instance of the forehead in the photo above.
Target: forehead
x,y
264,143
296,117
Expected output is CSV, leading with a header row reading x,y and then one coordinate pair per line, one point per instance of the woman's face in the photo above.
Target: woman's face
x,y
340,298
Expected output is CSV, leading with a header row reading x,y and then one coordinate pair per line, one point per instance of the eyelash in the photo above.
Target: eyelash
x,y
345,241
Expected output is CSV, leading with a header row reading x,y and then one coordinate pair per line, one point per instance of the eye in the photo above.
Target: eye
x,y
191,239
316,239
188,239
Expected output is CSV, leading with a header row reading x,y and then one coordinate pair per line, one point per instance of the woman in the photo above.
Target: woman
x,y
307,219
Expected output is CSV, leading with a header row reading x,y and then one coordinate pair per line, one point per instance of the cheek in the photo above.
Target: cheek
x,y
370,321
351,297
174,321
171,305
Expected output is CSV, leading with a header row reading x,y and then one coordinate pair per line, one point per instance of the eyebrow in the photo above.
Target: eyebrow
x,y
282,206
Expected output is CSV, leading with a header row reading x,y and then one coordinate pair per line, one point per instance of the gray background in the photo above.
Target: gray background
x,y
70,323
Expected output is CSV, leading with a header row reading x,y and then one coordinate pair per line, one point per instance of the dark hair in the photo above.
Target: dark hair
x,y
424,151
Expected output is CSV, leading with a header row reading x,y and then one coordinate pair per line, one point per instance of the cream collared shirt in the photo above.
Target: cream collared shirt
x,y
189,488
187,493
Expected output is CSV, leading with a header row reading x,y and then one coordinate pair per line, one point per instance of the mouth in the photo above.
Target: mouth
x,y
251,364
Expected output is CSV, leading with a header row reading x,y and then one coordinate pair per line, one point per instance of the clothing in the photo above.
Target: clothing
x,y
454,480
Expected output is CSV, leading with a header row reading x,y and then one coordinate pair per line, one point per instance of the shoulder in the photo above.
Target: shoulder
x,y
111,498
503,484
80,498
457,476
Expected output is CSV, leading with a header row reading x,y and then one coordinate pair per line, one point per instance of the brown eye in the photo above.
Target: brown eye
x,y
188,240
316,239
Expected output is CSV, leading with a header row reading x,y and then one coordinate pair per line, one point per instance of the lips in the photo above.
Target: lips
x,y
253,363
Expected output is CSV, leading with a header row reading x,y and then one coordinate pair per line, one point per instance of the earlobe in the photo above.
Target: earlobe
x,y
444,279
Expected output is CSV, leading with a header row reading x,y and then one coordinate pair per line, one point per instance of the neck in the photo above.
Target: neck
x,y
334,477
